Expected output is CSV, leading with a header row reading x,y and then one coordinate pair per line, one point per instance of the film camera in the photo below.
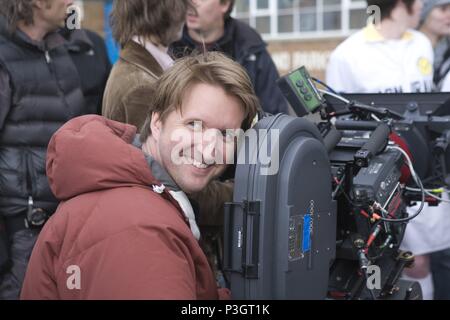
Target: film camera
x,y
328,210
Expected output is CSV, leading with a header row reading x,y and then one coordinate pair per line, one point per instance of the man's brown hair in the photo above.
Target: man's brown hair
x,y
160,19
386,6
15,11
211,68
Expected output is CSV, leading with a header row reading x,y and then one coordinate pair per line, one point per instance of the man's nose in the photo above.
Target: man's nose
x,y
210,148
210,141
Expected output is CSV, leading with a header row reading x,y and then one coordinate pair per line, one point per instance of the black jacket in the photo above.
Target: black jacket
x,y
88,52
244,45
40,90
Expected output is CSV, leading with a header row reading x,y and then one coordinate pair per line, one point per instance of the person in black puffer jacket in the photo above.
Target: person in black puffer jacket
x,y
39,91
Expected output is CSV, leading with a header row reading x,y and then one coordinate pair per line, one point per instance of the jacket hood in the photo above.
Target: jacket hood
x,y
91,153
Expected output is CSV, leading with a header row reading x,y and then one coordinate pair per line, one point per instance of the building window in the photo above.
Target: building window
x,y
286,23
262,4
282,19
242,6
262,24
358,18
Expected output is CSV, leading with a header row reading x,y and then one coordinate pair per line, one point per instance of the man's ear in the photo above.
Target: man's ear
x,y
225,6
40,4
155,125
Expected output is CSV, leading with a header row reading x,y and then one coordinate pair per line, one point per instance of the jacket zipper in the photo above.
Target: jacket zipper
x,y
47,57
29,179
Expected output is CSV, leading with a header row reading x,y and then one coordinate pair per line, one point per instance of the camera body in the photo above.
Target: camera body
x,y
335,211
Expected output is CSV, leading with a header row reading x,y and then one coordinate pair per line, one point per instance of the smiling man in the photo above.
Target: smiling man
x,y
125,228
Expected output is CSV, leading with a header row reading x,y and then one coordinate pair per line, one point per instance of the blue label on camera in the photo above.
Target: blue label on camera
x,y
306,245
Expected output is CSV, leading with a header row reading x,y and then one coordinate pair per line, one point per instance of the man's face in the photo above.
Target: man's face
x,y
414,16
210,15
438,20
192,143
52,13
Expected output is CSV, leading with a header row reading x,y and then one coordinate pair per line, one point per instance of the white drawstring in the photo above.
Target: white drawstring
x,y
185,206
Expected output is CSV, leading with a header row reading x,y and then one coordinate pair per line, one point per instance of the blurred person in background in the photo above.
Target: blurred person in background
x,y
39,91
88,52
435,24
210,26
388,57
144,29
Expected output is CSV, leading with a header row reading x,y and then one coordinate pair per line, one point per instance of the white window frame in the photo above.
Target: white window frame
x,y
272,12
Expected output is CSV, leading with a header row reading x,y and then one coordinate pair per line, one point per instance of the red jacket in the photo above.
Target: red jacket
x,y
127,241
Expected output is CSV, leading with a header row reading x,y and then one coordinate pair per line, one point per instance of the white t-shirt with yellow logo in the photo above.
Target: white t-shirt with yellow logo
x,y
368,63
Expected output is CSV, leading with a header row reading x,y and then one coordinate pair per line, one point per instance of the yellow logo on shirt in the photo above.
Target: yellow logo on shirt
x,y
424,66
